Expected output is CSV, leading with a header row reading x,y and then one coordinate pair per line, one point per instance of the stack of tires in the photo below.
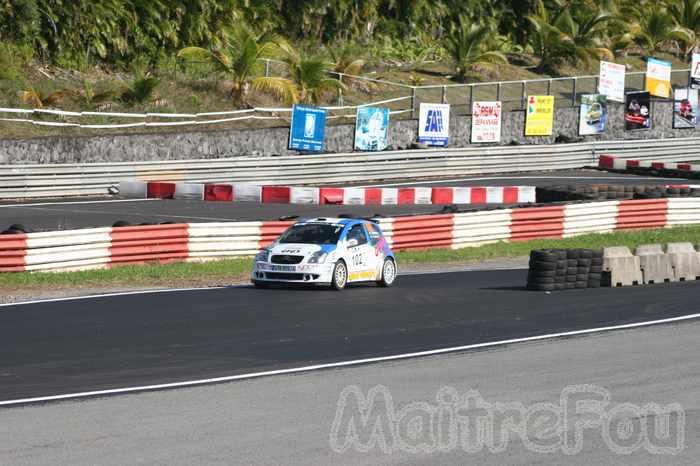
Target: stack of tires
x,y
547,270
603,192
565,269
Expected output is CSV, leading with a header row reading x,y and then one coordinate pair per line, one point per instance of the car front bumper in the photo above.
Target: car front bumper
x,y
302,273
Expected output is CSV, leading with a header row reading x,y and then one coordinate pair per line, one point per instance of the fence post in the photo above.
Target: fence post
x,y
498,91
523,95
413,102
596,83
267,67
573,94
471,96
340,89
549,87
444,94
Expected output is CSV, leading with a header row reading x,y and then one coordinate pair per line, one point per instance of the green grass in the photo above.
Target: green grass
x,y
233,270
133,275
630,239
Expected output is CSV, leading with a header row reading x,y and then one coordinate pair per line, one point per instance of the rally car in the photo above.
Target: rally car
x,y
327,251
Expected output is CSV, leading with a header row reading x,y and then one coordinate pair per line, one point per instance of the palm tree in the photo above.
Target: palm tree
x,y
309,76
560,36
469,45
345,61
240,60
686,15
657,30
139,90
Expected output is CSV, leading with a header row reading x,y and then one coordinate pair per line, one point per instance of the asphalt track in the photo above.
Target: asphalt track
x,y
85,213
288,419
70,346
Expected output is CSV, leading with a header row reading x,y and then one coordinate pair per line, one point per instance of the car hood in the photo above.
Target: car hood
x,y
294,249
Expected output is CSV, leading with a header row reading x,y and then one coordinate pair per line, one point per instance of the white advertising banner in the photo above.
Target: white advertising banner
x,y
695,72
612,81
434,124
486,122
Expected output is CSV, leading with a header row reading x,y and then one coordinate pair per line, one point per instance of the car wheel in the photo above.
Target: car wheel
x,y
260,285
388,273
340,276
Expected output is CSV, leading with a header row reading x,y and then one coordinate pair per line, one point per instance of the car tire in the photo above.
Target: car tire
x,y
260,285
340,276
383,281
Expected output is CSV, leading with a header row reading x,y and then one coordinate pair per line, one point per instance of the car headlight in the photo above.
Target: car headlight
x,y
319,257
263,256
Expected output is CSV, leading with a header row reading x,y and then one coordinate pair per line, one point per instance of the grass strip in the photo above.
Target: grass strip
x,y
232,270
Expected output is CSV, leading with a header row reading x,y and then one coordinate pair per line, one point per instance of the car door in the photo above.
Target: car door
x,y
360,265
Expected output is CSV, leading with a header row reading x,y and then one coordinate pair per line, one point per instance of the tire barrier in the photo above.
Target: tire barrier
x,y
603,192
125,244
328,195
650,167
564,269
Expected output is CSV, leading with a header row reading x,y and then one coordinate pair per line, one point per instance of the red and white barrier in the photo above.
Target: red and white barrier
x,y
107,247
523,224
611,162
329,195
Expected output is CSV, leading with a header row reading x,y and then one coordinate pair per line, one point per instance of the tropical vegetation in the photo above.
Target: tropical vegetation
x,y
126,52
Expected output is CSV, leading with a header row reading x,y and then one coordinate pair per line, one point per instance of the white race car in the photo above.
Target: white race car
x,y
327,251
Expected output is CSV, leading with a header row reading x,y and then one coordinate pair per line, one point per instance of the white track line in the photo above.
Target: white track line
x,y
77,202
119,293
355,362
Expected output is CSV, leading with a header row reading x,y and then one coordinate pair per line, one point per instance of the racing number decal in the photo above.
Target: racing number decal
x,y
357,260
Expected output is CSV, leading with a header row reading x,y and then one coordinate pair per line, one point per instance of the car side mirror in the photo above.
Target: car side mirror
x,y
352,243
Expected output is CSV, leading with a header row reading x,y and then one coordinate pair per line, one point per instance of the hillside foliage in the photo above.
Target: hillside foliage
x,y
141,44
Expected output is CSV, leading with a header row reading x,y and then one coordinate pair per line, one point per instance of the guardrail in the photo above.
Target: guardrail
x,y
56,180
108,247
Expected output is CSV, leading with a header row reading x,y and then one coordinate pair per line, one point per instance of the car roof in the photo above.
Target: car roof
x,y
331,221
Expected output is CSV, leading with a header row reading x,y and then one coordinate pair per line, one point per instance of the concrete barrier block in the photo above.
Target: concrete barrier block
x,y
685,261
133,189
247,192
194,191
654,263
624,268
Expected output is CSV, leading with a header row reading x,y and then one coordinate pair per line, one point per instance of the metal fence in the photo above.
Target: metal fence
x,y
513,94
402,99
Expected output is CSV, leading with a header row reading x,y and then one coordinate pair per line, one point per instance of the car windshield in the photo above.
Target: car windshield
x,y
312,233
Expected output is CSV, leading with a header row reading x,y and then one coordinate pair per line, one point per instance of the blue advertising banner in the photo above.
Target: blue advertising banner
x,y
434,124
371,128
307,129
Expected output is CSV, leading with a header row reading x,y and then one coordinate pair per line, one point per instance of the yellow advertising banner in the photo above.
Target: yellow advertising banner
x,y
539,115
658,82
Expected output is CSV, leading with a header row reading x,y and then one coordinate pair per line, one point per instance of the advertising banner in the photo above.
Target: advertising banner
x,y
612,81
434,124
638,111
539,117
308,128
658,82
593,114
685,108
486,122
695,71
371,128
